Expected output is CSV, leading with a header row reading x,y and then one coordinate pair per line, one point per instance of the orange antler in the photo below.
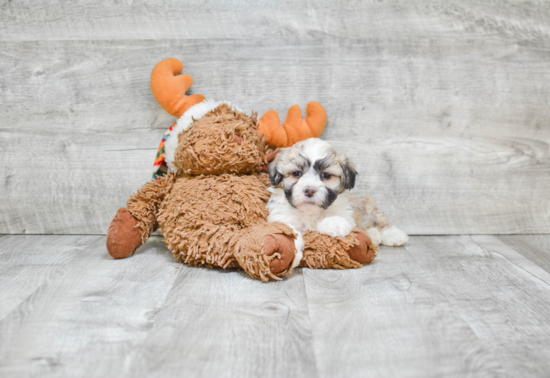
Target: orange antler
x,y
294,128
169,89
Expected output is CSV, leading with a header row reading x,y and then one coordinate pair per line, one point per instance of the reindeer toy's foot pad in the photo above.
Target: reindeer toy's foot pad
x,y
323,251
364,251
123,236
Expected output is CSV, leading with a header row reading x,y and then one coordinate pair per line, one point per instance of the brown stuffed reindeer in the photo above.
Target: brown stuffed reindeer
x,y
211,203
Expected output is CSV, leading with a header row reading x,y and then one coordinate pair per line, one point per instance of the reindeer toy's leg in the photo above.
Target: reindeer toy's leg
x,y
323,251
133,225
266,250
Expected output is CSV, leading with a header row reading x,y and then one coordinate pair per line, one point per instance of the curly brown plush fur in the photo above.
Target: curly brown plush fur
x,y
223,141
323,251
213,210
144,205
202,214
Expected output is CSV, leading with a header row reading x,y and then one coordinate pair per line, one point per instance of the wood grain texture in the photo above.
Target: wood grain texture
x,y
505,306
392,319
29,262
442,106
146,316
86,317
448,306
172,19
223,324
534,247
81,151
441,306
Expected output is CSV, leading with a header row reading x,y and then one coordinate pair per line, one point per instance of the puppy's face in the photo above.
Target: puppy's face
x,y
312,174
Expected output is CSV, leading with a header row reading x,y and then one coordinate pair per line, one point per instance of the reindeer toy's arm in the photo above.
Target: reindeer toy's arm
x,y
133,224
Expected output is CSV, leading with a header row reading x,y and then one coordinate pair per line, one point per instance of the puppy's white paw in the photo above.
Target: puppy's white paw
x,y
394,237
334,226
375,235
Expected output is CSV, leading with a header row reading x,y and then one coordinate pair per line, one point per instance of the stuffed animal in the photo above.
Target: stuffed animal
x,y
209,194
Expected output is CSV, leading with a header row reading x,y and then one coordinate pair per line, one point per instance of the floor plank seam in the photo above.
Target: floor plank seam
x,y
136,348
459,310
511,261
47,281
313,339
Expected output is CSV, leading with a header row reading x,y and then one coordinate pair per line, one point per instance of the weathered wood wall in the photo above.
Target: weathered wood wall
x,y
443,106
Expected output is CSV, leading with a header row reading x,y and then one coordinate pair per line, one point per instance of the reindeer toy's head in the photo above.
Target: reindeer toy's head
x,y
211,138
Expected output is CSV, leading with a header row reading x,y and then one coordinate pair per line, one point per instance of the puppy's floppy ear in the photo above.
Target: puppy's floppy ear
x,y
348,178
274,176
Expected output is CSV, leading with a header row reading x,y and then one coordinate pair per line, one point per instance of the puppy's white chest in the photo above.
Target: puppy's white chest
x,y
308,221
337,220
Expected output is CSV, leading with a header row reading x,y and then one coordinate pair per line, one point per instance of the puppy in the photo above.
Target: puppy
x,y
311,183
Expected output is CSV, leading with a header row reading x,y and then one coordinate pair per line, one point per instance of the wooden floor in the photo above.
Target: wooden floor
x,y
442,306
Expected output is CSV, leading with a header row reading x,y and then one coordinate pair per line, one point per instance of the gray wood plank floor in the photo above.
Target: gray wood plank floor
x,y
449,306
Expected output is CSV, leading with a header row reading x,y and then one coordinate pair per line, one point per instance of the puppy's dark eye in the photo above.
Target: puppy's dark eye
x,y
297,174
326,176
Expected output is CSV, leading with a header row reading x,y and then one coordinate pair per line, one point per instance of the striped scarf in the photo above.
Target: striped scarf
x,y
160,168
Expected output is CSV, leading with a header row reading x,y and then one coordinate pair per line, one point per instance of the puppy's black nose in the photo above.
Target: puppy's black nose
x,y
309,192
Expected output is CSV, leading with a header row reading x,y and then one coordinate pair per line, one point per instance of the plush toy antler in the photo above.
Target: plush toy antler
x,y
169,89
294,128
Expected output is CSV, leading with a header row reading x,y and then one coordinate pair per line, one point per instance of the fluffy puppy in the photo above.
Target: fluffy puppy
x,y
311,183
